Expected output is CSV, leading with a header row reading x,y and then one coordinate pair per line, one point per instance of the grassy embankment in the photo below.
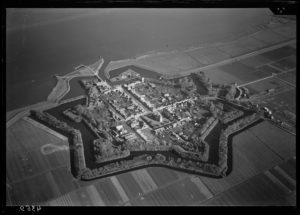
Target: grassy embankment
x,y
63,87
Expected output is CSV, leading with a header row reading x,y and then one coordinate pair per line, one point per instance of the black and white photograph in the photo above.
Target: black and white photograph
x,y
150,107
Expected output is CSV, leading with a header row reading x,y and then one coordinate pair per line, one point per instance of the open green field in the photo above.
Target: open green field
x,y
182,192
250,43
180,61
33,176
240,71
270,83
281,142
255,61
286,64
286,31
269,69
242,46
269,37
254,151
233,49
218,76
279,53
208,56
259,190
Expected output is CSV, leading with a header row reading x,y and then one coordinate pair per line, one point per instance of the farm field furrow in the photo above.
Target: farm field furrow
x,y
278,140
108,192
259,190
129,184
268,84
248,152
162,176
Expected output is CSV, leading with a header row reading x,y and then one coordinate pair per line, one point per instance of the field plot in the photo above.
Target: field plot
x,y
293,45
286,31
34,190
59,158
286,64
267,84
233,49
242,46
181,61
279,53
283,101
162,176
281,142
87,196
283,178
63,200
183,192
33,176
255,61
221,77
259,74
269,37
209,55
250,43
64,180
84,197
129,184
250,157
24,136
240,71
269,70
259,190
289,167
108,192
144,180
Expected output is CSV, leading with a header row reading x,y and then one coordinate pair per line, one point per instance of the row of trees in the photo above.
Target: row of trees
x,y
105,151
231,91
203,155
115,167
223,141
241,123
147,159
202,82
229,116
68,113
76,139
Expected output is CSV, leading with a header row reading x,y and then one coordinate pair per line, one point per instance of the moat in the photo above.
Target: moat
x,y
184,123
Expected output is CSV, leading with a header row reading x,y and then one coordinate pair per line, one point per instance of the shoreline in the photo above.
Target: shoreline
x,y
127,62
57,94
